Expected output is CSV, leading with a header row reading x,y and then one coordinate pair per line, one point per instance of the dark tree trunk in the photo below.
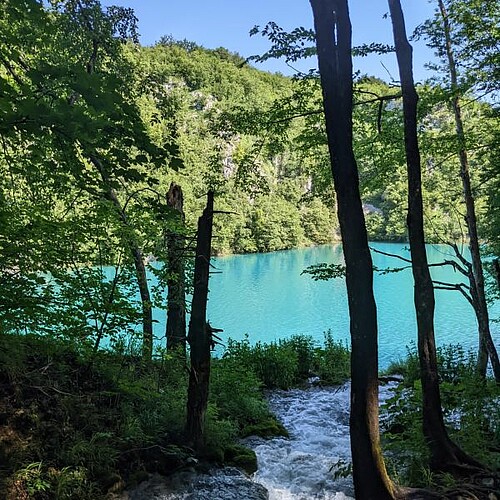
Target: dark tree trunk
x,y
140,268
333,39
445,455
199,336
486,345
176,299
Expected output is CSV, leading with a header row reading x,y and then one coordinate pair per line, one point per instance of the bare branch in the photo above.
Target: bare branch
x,y
400,257
461,287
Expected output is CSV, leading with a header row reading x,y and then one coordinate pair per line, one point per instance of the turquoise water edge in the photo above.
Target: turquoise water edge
x,y
267,297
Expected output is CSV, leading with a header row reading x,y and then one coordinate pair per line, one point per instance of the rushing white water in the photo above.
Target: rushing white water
x,y
300,468
296,468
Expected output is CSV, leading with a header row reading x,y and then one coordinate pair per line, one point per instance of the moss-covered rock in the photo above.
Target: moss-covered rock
x,y
213,453
242,457
268,428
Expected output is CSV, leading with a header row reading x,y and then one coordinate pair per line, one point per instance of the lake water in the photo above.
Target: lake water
x,y
267,297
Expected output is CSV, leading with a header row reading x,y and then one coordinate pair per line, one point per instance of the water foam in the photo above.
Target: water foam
x,y
300,468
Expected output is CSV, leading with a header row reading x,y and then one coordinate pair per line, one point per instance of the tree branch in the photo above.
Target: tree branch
x,y
461,287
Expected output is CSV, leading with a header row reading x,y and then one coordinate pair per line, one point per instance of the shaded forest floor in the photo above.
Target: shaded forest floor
x,y
77,426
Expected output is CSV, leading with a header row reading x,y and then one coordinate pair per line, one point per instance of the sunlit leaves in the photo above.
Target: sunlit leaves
x,y
323,271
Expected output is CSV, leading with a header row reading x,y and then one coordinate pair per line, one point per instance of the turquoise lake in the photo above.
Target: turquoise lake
x,y
266,297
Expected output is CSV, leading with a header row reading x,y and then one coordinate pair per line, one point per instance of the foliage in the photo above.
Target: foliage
x,y
470,410
332,361
323,271
475,38
274,364
71,136
289,362
216,110
236,392
77,426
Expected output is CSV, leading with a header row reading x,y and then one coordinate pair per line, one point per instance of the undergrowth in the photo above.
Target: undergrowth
x,y
81,425
290,362
470,408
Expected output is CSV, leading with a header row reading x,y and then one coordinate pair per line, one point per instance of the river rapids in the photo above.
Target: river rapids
x,y
301,467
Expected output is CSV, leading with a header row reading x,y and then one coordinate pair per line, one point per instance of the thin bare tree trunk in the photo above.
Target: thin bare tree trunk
x,y
445,455
199,336
176,299
486,345
140,268
333,40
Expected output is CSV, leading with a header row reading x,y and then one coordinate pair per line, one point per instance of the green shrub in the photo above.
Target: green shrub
x,y
470,408
408,367
236,391
220,433
275,364
454,363
304,349
289,362
332,362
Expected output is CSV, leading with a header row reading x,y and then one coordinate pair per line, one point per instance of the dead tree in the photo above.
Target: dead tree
x,y
200,334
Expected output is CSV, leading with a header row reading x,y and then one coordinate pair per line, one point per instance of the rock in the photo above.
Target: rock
x,y
222,484
489,482
242,457
112,483
313,381
161,459
267,428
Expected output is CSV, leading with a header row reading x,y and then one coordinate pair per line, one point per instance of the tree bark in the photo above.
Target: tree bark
x,y
176,298
445,455
140,268
199,336
333,40
486,345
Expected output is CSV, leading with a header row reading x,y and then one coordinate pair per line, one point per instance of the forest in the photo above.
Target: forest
x,y
125,168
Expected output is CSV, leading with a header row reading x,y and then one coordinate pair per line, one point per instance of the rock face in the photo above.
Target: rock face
x,y
221,484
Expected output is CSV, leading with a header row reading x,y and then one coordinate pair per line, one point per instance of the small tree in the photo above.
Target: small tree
x,y
486,345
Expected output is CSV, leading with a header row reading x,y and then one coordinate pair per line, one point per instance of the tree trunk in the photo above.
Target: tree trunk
x,y
486,345
176,298
333,39
445,455
140,268
199,336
